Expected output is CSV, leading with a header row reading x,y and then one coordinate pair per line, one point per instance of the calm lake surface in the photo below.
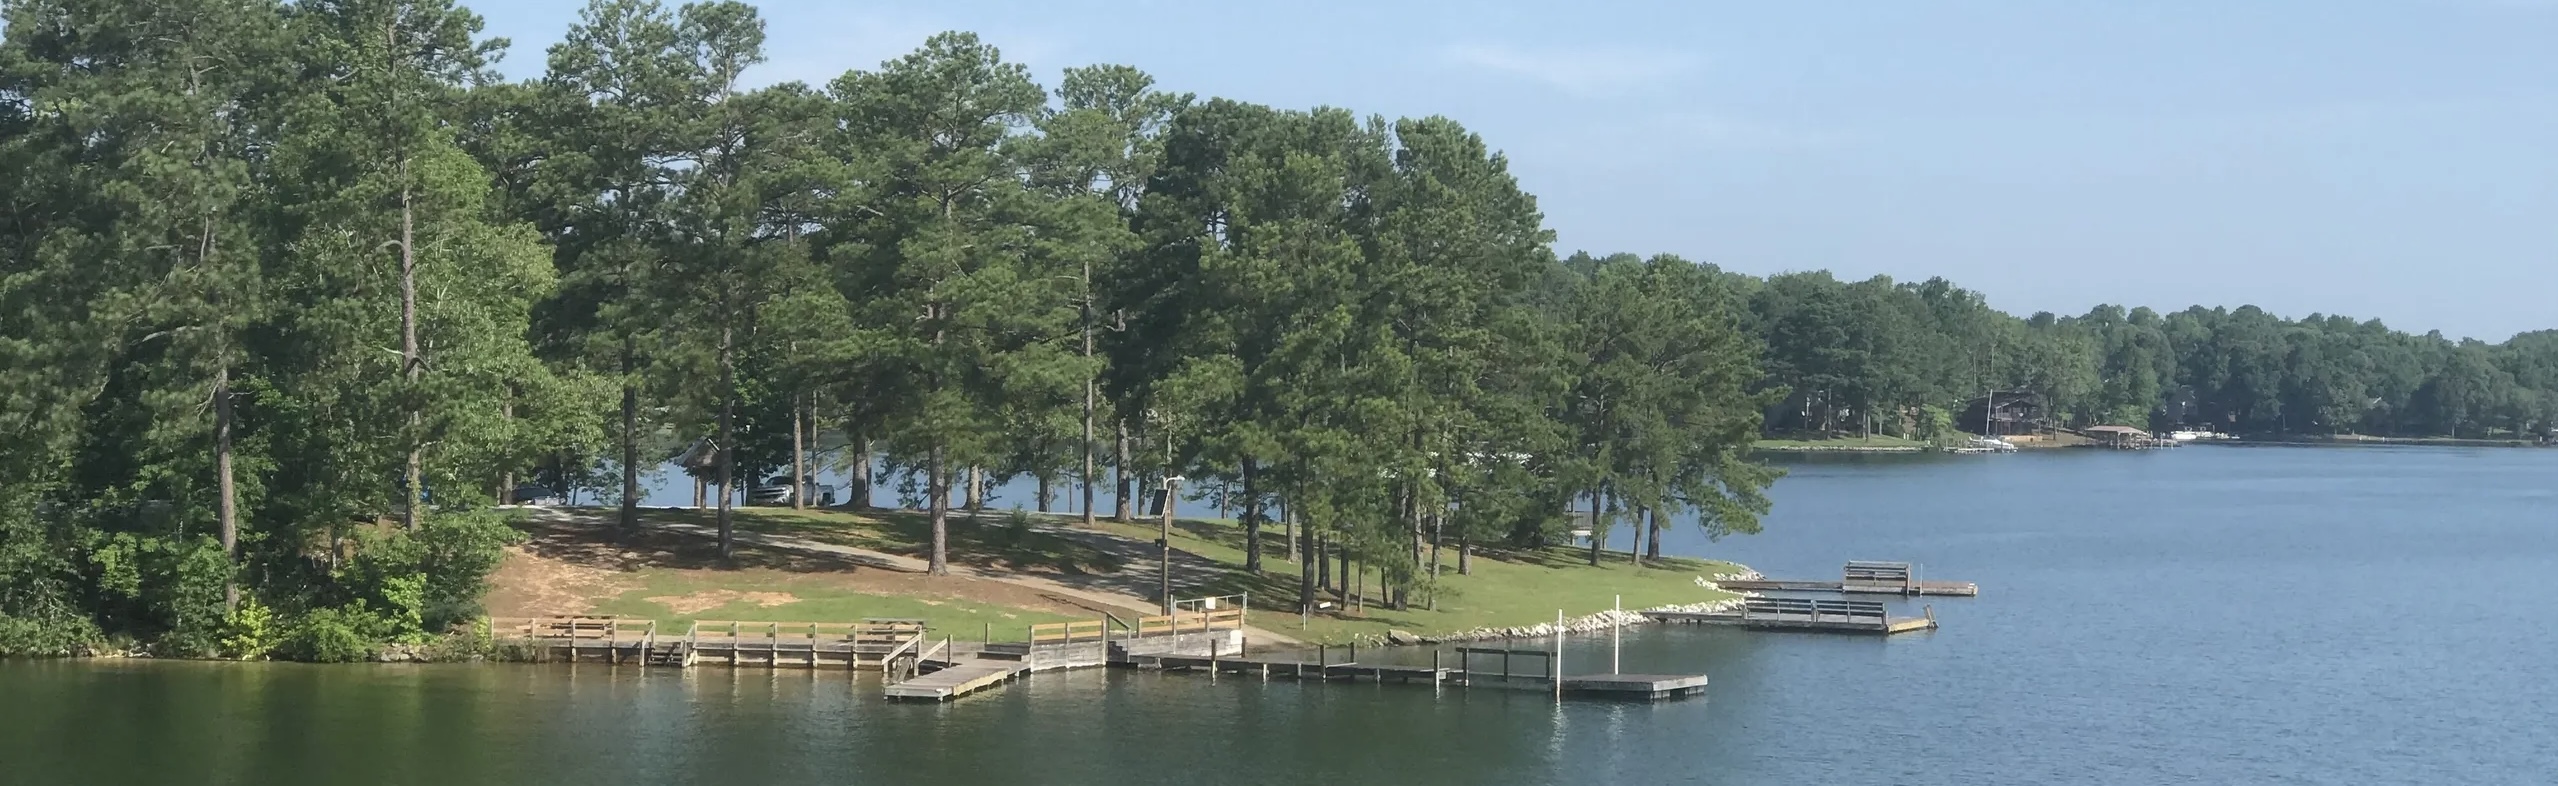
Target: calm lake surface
x,y
2209,615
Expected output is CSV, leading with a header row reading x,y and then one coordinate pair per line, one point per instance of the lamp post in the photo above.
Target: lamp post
x,y
1172,487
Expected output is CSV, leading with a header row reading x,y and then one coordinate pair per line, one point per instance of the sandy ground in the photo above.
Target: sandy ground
x,y
569,566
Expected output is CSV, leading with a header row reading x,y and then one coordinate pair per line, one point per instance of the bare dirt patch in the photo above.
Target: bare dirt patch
x,y
706,600
569,566
529,584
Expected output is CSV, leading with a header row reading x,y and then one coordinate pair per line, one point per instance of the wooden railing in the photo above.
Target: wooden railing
x,y
1189,622
1069,632
1876,575
1813,610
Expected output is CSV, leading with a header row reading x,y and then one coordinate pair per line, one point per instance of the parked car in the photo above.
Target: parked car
x,y
538,496
778,492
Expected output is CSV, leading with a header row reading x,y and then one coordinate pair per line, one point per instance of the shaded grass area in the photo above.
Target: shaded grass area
x,y
681,598
1506,588
994,542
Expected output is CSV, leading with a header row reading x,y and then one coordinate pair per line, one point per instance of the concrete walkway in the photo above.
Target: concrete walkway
x,y
1188,569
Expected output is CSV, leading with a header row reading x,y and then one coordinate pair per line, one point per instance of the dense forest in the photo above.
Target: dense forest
x,y
293,297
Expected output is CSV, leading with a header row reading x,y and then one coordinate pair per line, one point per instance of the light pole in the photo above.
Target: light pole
x,y
1172,488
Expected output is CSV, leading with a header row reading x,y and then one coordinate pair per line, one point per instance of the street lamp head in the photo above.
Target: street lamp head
x,y
1174,480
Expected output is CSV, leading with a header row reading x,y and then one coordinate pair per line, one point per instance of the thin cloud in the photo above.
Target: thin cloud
x,y
1725,131
1584,71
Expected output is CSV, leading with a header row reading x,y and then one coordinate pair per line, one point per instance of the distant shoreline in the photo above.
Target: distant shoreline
x,y
2351,441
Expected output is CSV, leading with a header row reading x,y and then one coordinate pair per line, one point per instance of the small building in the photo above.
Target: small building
x,y
2004,413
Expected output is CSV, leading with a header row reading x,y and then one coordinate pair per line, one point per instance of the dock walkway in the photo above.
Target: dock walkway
x,y
958,679
1862,578
1804,614
1643,687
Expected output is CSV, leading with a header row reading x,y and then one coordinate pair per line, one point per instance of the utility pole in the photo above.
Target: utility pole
x,y
1172,486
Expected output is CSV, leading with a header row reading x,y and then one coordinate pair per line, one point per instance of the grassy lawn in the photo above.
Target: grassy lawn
x,y
679,597
1505,589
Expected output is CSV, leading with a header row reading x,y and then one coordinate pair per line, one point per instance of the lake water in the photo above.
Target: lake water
x,y
2206,615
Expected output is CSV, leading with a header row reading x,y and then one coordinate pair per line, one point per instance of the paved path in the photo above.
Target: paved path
x,y
1112,590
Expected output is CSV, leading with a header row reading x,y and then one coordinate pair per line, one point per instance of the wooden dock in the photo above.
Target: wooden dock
x,y
1641,687
1863,578
1805,614
896,646
958,679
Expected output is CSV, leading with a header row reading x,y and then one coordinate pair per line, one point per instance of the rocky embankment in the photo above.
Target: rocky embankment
x,y
1592,623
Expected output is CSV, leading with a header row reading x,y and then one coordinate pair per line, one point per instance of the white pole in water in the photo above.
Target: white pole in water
x,y
1616,639
1557,659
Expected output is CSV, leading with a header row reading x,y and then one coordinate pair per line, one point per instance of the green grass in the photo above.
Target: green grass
x,y
819,602
1506,588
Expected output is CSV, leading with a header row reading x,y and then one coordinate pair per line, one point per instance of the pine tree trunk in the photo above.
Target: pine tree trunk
x,y
506,479
1343,579
1089,394
858,498
410,362
1598,523
1634,552
1120,469
227,502
937,477
1316,552
1288,529
727,451
1305,584
630,442
1652,551
937,487
798,455
1465,555
976,494
1251,522
1044,493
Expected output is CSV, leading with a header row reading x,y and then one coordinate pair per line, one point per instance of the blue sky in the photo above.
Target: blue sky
x,y
2395,159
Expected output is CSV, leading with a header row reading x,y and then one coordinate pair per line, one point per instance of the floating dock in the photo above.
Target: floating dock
x,y
1806,614
959,679
1862,578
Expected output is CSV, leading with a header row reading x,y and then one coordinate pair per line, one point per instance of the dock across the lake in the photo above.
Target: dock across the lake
x,y
1861,578
1806,614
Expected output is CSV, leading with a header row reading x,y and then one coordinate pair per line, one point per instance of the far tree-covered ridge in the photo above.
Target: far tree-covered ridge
x,y
1841,351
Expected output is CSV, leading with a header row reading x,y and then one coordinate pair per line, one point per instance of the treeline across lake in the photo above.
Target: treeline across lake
x,y
294,296
1899,358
